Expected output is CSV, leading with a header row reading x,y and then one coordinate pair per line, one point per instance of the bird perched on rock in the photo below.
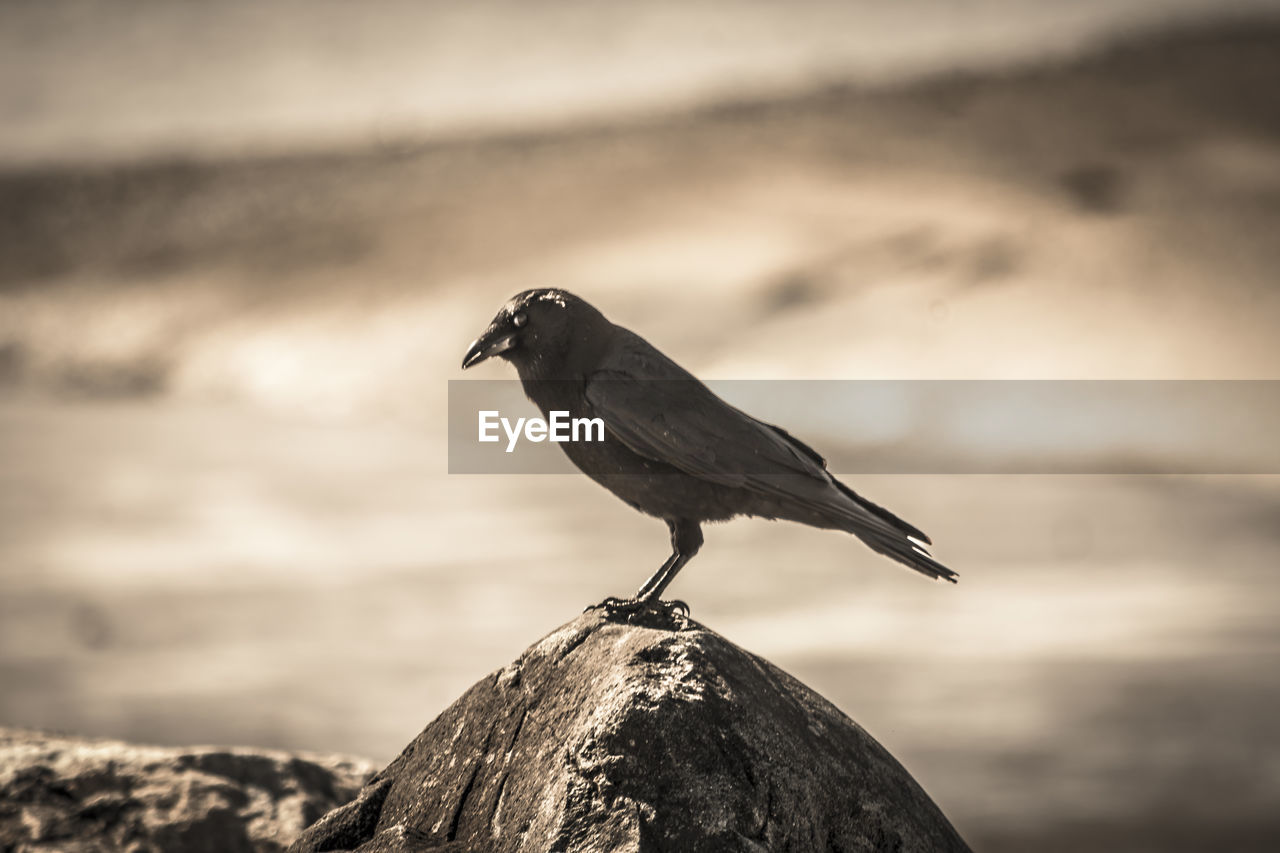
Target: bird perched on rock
x,y
672,448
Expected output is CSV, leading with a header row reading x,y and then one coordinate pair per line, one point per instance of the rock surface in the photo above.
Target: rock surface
x,y
608,736
77,795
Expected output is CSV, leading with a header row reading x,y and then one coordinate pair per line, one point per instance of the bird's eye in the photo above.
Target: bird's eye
x,y
519,319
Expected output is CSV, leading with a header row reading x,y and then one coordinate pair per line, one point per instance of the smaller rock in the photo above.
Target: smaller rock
x,y
79,795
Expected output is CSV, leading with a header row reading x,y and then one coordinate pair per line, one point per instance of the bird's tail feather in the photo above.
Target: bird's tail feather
x,y
887,534
882,513
905,551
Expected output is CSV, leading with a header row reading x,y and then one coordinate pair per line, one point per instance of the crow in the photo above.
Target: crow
x,y
672,448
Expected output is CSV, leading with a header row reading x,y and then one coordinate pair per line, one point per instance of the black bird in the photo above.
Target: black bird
x,y
672,448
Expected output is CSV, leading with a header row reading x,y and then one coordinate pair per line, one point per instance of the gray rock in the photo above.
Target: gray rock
x,y
77,795
606,736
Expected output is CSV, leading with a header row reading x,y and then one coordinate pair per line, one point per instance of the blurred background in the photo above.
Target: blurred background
x,y
243,246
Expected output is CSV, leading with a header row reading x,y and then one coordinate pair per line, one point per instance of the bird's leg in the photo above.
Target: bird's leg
x,y
647,607
642,598
686,539
646,593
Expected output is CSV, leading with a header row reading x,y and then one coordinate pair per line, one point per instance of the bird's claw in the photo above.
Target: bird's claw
x,y
648,612
612,605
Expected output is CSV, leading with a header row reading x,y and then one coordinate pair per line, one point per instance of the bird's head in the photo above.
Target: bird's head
x,y
545,332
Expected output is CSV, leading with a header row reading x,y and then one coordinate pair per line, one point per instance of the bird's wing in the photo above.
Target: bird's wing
x,y
660,411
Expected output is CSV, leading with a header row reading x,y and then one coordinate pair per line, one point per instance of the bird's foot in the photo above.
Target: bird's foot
x,y
635,605
651,613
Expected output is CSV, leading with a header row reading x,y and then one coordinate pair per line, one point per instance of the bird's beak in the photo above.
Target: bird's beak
x,y
496,339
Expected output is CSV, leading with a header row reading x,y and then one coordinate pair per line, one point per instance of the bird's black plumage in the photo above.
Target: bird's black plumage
x,y
672,448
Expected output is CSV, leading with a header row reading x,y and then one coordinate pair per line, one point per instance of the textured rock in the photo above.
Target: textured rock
x,y
606,736
76,795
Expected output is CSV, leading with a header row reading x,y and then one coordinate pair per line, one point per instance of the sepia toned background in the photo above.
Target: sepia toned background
x,y
243,247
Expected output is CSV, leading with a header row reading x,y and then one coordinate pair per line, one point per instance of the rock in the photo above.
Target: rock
x,y
608,736
77,795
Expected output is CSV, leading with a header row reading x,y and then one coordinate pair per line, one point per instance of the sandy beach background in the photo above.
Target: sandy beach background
x,y
244,247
